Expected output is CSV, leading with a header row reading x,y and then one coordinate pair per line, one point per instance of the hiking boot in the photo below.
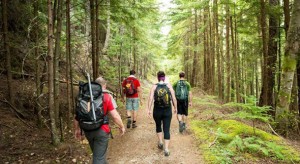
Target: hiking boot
x,y
181,127
134,125
160,146
128,123
167,153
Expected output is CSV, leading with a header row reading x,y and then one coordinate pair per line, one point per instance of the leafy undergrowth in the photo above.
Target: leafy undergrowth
x,y
225,140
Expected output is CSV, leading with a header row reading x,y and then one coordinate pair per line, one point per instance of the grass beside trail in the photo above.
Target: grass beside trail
x,y
224,140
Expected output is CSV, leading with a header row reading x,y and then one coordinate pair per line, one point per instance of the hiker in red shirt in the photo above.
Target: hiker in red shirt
x,y
98,139
132,91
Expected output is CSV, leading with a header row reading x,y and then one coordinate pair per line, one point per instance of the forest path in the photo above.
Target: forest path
x,y
139,145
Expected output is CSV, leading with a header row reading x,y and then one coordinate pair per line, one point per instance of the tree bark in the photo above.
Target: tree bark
x,y
93,37
264,94
57,57
292,50
272,55
7,51
228,68
68,60
54,136
195,62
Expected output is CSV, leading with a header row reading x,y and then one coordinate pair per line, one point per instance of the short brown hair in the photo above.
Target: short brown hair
x,y
132,72
181,74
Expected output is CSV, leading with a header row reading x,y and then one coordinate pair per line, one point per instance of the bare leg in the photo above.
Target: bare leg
x,y
134,115
128,113
167,145
160,137
128,119
179,117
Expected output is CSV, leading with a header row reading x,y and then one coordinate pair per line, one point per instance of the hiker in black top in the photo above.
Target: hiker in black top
x,y
183,94
162,94
98,139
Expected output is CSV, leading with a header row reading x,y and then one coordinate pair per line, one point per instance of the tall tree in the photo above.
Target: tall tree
x,y
272,53
196,57
68,60
228,68
263,24
54,136
93,37
57,56
292,50
7,51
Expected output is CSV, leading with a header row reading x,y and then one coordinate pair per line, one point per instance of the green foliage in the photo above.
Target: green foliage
x,y
230,141
250,111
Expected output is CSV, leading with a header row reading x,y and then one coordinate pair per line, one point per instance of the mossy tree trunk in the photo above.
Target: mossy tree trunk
x,y
288,69
57,56
68,59
55,139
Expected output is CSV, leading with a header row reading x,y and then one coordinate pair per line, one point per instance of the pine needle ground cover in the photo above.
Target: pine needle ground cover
x,y
225,136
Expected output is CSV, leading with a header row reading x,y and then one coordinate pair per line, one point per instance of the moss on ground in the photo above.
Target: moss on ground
x,y
230,141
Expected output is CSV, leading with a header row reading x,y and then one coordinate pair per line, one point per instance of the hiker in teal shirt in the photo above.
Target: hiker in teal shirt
x,y
183,95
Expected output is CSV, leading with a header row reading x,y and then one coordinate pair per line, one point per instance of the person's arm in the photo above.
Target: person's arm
x,y
173,98
117,119
150,100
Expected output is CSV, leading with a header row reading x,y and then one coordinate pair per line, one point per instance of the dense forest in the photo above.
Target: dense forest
x,y
242,52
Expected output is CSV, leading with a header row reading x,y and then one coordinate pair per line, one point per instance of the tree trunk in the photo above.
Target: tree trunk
x,y
264,90
57,57
7,51
228,68
292,50
272,55
93,37
195,62
97,39
107,34
134,49
287,17
68,60
234,55
55,139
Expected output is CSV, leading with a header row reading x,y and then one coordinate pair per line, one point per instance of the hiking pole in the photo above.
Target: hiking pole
x,y
91,95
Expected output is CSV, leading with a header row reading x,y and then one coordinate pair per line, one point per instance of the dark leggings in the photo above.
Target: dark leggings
x,y
164,116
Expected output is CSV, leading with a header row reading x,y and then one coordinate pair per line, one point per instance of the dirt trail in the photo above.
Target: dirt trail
x,y
139,145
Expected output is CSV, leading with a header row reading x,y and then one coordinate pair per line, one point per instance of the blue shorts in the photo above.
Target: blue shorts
x,y
132,104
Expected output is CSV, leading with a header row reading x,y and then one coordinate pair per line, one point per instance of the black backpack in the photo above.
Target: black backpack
x,y
88,120
162,96
130,88
181,91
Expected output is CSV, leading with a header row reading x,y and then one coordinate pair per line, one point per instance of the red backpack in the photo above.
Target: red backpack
x,y
130,88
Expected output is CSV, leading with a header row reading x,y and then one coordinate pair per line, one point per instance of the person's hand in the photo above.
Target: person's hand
x,y
175,110
122,131
78,135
